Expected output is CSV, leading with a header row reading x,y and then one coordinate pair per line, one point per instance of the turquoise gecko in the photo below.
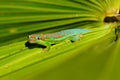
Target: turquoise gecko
x,y
53,38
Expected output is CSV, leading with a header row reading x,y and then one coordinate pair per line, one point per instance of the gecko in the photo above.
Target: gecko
x,y
57,37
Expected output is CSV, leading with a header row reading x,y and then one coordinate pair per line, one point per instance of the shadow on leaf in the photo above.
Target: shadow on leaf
x,y
33,45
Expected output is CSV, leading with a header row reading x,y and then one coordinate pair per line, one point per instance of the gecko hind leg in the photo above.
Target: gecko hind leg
x,y
76,38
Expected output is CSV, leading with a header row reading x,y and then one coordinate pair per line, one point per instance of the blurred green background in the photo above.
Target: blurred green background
x,y
95,57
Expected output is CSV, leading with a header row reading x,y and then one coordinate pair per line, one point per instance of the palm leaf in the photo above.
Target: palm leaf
x,y
95,57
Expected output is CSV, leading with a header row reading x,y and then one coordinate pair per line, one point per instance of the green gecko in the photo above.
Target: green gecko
x,y
57,37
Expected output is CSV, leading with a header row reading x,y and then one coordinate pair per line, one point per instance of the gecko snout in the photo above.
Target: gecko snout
x,y
31,39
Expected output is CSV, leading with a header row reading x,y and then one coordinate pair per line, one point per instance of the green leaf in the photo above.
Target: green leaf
x,y
94,57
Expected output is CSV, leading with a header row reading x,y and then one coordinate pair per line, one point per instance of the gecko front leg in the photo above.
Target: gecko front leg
x,y
44,43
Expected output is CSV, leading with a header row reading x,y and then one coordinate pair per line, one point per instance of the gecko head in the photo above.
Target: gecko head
x,y
33,38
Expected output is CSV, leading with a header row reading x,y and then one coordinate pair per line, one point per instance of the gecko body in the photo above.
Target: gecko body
x,y
57,37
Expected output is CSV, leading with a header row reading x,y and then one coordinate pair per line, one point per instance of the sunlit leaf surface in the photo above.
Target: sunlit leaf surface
x,y
94,57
